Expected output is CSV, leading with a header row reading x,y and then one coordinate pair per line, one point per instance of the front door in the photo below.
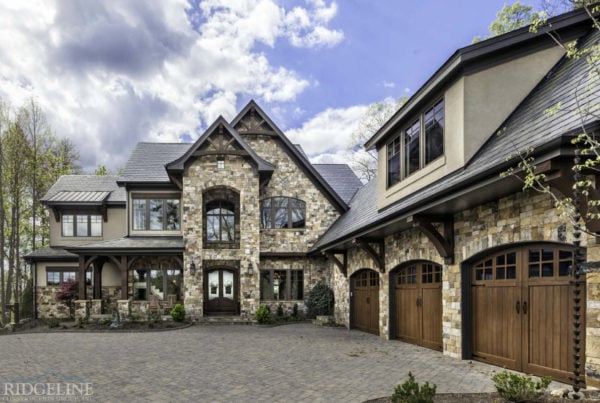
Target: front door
x,y
221,289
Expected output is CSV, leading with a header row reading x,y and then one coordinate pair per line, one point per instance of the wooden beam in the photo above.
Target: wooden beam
x,y
81,276
377,256
342,265
444,243
242,153
178,182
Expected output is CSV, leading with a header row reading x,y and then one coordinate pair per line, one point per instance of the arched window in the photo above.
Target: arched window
x,y
220,221
282,212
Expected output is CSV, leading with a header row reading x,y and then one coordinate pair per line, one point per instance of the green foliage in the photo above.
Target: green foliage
x,y
320,300
519,388
178,313
511,18
26,304
153,317
53,322
279,311
411,392
101,170
264,315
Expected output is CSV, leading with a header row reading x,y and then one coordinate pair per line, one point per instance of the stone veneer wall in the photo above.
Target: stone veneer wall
x,y
201,175
525,216
49,307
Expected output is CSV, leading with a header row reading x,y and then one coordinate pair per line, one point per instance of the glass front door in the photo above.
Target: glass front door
x,y
221,290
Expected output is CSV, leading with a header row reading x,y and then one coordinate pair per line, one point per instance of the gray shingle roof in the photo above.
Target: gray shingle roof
x,y
527,126
341,178
147,161
85,189
51,254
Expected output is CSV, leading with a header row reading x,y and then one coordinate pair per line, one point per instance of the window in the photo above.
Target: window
x,y
220,163
421,143
220,221
282,212
156,214
159,283
82,225
278,285
57,276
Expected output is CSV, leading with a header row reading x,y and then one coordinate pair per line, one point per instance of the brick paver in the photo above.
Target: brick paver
x,y
235,363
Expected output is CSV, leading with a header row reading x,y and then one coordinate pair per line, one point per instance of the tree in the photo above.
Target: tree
x,y
510,18
365,162
101,170
68,292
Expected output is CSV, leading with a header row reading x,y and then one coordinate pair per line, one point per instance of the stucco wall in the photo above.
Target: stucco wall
x,y
115,227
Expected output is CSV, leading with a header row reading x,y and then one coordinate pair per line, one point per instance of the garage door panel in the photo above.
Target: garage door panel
x,y
407,322
432,317
365,301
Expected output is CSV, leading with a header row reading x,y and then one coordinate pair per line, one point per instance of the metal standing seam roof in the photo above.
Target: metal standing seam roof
x,y
528,126
86,189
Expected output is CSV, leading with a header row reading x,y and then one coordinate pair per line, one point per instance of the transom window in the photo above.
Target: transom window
x,y
220,221
282,212
81,225
57,276
420,143
278,285
156,214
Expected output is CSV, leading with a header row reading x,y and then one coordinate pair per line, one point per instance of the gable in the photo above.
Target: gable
x,y
252,120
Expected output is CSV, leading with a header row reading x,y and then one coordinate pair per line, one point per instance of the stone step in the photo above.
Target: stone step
x,y
226,320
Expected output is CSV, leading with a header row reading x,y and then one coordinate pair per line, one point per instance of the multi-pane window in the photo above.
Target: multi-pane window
x,y
81,225
156,214
59,276
163,284
278,285
419,144
220,221
282,212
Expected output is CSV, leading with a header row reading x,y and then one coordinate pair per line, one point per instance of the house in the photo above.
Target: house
x,y
439,250
444,252
223,225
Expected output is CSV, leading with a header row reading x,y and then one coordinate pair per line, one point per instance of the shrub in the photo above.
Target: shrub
x,y
320,300
264,315
519,388
67,293
295,311
153,317
280,310
53,322
178,313
411,392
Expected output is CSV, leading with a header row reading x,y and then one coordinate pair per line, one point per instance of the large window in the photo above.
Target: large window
x,y
220,221
81,225
282,212
420,143
156,214
278,285
163,284
57,276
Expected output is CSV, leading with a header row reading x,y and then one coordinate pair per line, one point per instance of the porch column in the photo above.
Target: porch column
x,y
123,268
81,277
98,264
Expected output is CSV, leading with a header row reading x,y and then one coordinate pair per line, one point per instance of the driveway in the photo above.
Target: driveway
x,y
292,363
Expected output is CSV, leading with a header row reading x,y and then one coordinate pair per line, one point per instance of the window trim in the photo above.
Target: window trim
x,y
422,139
273,210
148,282
288,284
74,225
164,197
220,216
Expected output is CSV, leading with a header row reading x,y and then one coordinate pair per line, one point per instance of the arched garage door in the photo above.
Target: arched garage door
x,y
364,297
521,309
416,304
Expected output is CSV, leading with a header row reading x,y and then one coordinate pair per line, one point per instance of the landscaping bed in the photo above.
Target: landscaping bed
x,y
105,325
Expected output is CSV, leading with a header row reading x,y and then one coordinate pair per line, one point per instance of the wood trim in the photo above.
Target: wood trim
x,y
241,153
377,256
444,243
342,265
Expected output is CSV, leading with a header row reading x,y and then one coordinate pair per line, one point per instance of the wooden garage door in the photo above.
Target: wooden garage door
x,y
522,310
365,301
418,304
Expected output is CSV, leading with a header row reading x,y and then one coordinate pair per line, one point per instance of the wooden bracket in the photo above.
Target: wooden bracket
x,y
177,181
56,213
378,256
444,243
342,265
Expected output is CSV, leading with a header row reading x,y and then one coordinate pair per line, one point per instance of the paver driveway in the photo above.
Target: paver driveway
x,y
299,362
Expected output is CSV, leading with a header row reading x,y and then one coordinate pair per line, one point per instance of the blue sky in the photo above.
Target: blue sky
x,y
110,74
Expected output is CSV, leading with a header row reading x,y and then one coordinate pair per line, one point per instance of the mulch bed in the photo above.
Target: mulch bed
x,y
590,396
39,326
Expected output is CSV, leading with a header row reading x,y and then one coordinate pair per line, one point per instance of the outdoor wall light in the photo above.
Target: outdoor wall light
x,y
250,268
192,268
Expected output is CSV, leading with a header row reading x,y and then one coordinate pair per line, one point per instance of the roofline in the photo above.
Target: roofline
x,y
542,152
470,54
83,204
331,195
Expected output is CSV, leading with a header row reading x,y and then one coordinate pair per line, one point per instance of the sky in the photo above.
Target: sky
x,y
111,74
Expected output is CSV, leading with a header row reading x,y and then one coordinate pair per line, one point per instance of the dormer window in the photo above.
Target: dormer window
x,y
419,144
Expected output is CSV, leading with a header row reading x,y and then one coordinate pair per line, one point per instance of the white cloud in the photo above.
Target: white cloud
x,y
109,74
329,132
389,84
